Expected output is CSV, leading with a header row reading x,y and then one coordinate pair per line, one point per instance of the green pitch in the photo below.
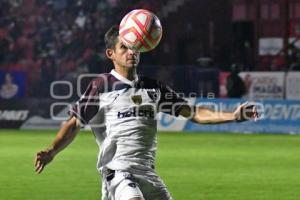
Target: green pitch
x,y
193,166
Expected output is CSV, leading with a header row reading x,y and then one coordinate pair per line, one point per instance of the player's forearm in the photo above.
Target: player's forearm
x,y
207,116
64,136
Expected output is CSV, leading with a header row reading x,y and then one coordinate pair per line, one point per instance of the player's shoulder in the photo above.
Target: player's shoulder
x,y
147,82
106,82
103,78
150,83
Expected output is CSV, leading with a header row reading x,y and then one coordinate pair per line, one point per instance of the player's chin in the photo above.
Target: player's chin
x,y
132,64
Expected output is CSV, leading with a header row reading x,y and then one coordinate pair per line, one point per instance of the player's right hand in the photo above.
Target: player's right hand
x,y
245,112
42,159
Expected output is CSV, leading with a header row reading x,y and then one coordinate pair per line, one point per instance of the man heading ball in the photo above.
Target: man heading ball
x,y
121,108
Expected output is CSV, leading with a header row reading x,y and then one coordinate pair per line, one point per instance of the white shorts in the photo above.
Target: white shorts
x,y
124,186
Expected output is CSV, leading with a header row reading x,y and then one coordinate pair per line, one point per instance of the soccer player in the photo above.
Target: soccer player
x,y
121,108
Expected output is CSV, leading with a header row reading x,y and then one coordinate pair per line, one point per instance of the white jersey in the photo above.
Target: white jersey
x,y
122,115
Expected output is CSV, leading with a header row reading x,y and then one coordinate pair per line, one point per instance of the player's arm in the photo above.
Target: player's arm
x,y
171,103
203,115
63,138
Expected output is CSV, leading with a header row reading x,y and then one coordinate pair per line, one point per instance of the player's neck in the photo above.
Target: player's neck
x,y
129,74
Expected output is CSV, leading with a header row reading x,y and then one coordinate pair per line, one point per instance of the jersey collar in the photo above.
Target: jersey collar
x,y
123,79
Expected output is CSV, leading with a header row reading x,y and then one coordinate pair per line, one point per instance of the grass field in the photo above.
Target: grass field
x,y
194,167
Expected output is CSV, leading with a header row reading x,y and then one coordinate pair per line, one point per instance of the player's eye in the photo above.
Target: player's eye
x,y
123,46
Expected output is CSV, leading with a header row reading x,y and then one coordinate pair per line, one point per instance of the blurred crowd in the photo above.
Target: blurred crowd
x,y
60,39
56,39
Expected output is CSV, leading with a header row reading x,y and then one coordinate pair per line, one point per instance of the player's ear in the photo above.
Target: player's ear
x,y
109,53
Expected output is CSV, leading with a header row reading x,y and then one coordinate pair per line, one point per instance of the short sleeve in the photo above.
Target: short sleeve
x,y
170,102
88,105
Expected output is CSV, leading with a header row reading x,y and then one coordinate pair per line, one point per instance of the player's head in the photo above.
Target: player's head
x,y
111,37
117,52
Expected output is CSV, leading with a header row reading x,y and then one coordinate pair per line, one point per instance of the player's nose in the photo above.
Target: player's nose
x,y
132,51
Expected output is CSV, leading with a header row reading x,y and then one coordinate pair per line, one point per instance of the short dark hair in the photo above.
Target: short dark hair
x,y
111,37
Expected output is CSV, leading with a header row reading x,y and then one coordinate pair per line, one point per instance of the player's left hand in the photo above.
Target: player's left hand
x,y
42,159
246,112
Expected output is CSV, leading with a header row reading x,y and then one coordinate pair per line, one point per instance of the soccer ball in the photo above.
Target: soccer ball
x,y
140,30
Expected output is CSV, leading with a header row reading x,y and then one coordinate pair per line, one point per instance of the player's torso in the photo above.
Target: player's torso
x,y
129,114
130,111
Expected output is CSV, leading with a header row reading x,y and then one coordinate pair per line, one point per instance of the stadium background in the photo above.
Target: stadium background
x,y
55,41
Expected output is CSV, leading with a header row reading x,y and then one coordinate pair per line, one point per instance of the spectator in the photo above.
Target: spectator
x,y
294,58
234,84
